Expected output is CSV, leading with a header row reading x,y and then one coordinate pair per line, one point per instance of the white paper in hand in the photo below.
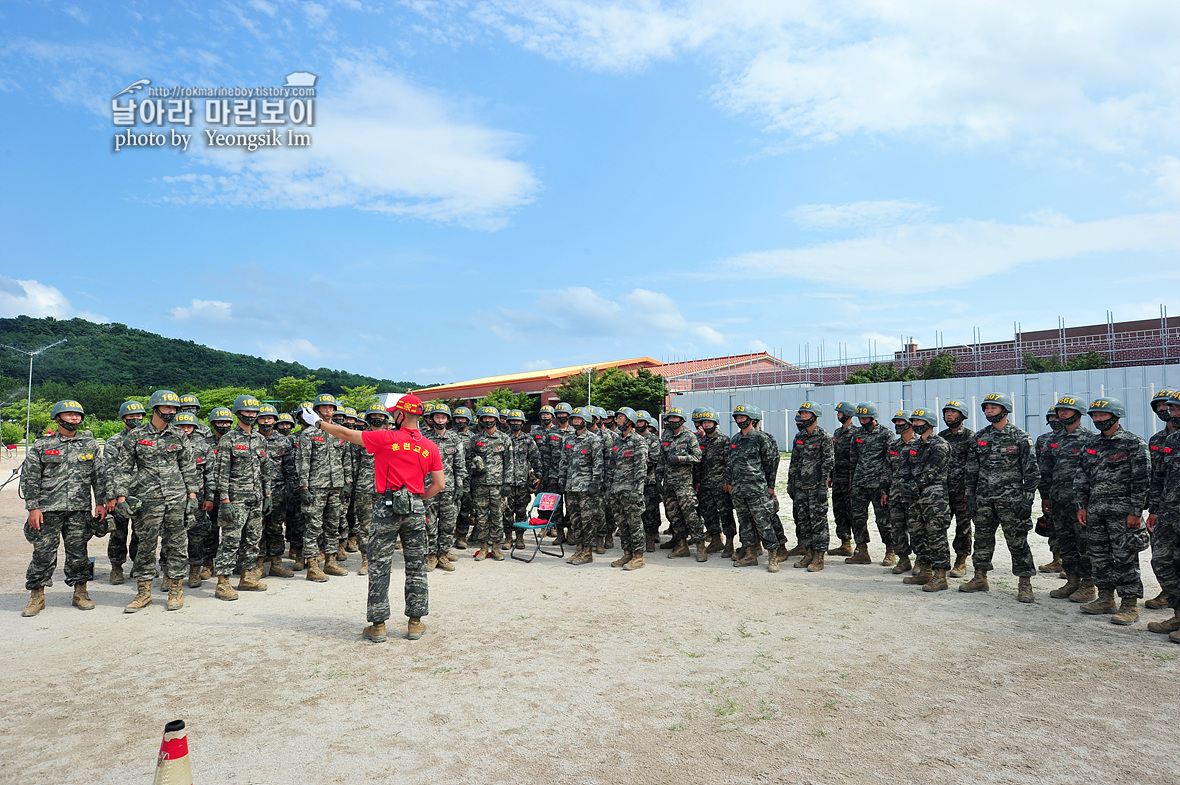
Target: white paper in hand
x,y
310,417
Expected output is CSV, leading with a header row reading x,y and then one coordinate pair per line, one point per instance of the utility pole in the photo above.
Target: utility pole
x,y
29,410
589,376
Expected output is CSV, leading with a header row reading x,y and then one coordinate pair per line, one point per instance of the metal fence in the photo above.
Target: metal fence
x,y
1032,395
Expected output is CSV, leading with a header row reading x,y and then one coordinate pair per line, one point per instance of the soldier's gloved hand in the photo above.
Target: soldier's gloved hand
x,y
190,505
305,495
123,509
134,503
477,465
268,504
347,491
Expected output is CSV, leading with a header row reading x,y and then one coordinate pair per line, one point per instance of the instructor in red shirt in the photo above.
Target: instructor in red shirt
x,y
402,459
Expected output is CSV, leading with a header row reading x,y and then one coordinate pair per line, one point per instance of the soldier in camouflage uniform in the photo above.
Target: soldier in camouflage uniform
x,y
958,438
628,473
323,474
869,456
489,464
197,522
1002,476
926,461
190,403
1058,465
551,458
132,414
352,454
281,452
1164,521
714,503
651,488
158,472
604,521
221,422
581,473
523,479
461,427
750,475
813,455
679,453
842,476
1041,445
442,507
62,483
900,494
293,534
1155,446
1110,491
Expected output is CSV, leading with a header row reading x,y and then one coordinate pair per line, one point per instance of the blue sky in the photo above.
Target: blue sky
x,y
500,186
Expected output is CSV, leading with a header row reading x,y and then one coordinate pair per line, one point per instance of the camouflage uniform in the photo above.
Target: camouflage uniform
x,y
813,456
1059,464
1111,483
551,460
243,474
489,486
628,473
1002,476
323,472
1164,501
442,511
959,443
526,466
870,478
465,520
58,477
200,526
117,544
280,450
581,472
678,453
714,503
842,480
926,466
651,488
1155,446
602,511
750,472
158,467
364,497
903,514
387,528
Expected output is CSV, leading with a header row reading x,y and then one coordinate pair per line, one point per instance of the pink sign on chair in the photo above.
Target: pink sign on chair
x,y
548,501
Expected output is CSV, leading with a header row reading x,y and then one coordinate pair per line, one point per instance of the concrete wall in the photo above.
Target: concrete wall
x,y
1032,395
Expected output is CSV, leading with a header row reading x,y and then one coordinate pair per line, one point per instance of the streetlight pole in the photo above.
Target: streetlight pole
x,y
589,375
29,410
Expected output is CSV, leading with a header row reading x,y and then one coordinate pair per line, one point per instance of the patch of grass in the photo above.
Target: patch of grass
x,y
819,734
677,726
1163,657
831,704
767,710
742,631
726,708
721,637
692,654
441,669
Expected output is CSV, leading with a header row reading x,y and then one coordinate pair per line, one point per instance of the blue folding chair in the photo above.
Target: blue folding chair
x,y
540,523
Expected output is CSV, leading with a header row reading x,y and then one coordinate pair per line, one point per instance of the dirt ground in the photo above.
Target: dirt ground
x,y
549,673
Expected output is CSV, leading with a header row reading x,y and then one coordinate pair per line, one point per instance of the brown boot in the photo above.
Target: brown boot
x,y
781,551
442,562
772,561
715,543
519,539
585,555
452,558
351,545
496,555
978,583
175,596
561,538
82,599
608,542
937,581
461,543
116,574
679,551
1165,627
635,563
817,562
300,563
1053,566
194,576
314,573
622,560
375,632
1072,582
341,554
224,591
727,549
207,570
1104,603
860,555
249,580
507,540
702,551
278,570
670,544
652,541
1157,602
415,628
142,599
960,568
1086,591
480,553
331,567
294,553
1024,592
600,545
845,549
890,557
749,559
1128,612
36,602
431,562
798,550
804,560
903,565
921,575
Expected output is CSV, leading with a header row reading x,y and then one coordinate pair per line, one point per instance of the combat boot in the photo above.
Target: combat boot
x,y
314,573
903,565
739,553
560,539
727,549
781,551
332,568
442,562
452,558
341,554
1174,637
817,562
1086,591
415,628
890,557
194,576
224,591
1165,627
585,555
798,550
375,632
652,540
82,599
207,569
1157,602
715,543
293,552
1104,603
600,545
351,546
300,563
845,549
519,539
805,560
749,559
1128,612
702,551
1053,566
680,550
608,542
635,563
670,544
860,555
142,599
507,539
461,543
977,583
622,560
1024,592
249,580
496,555
175,595
431,562
116,574
1072,582
937,581
921,575
772,561
480,553
36,602
960,568
278,570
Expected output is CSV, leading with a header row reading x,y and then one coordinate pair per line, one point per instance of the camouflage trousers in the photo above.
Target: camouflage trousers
x,y
73,528
441,508
1007,516
162,523
651,509
117,550
579,507
627,508
809,506
200,530
598,514
931,516
239,523
516,506
963,531
387,528
294,522
858,515
609,524
273,524
485,507
321,521
1165,555
362,504
841,498
1114,554
903,518
680,504
756,517
716,510
1071,539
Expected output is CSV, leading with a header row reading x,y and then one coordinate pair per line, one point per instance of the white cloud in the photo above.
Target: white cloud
x,y
316,14
857,214
78,14
204,310
291,350
33,298
536,365
1168,181
263,6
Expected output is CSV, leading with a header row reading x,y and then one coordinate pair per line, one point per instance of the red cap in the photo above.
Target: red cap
x,y
410,404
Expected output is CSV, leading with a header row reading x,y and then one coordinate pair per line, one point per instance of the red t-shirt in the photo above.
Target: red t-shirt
x,y
402,457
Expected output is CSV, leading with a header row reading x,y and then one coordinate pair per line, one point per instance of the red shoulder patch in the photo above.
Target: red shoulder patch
x,y
146,442
58,452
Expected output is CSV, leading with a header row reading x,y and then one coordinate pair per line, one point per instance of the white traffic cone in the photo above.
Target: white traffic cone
x,y
172,767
